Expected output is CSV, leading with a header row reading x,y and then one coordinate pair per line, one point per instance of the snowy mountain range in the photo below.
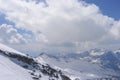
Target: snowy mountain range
x,y
96,64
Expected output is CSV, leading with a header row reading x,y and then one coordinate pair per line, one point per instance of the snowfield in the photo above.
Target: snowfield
x,y
17,66
89,65
11,71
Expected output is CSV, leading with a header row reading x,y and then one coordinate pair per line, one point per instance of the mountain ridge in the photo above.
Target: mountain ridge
x,y
35,70
51,67
105,62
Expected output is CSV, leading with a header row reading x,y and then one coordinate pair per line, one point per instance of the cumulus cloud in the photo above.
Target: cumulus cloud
x,y
60,22
115,30
10,35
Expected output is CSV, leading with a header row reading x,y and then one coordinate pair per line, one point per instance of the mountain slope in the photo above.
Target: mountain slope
x,y
79,66
8,49
11,71
105,58
89,65
17,66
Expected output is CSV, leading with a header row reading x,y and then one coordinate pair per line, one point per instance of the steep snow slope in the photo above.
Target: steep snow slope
x,y
8,49
17,66
8,69
11,71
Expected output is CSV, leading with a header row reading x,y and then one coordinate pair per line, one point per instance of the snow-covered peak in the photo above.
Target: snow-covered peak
x,y
117,51
76,66
97,52
8,49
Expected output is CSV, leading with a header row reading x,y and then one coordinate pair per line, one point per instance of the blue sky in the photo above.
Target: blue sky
x,y
3,20
108,7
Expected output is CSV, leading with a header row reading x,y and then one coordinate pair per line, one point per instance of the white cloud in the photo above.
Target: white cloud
x,y
10,35
115,30
39,37
62,21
